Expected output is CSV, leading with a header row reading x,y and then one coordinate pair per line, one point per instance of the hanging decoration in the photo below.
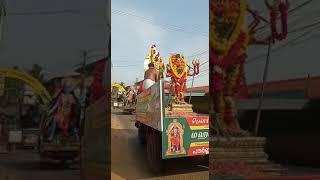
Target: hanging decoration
x,y
230,37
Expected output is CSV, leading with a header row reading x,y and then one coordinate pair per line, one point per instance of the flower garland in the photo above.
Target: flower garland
x,y
215,11
174,69
274,12
97,88
231,57
156,59
221,65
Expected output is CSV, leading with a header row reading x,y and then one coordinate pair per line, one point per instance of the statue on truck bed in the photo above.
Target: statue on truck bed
x,y
230,36
155,58
178,70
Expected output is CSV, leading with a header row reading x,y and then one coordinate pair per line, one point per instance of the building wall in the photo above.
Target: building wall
x,y
292,135
309,87
200,104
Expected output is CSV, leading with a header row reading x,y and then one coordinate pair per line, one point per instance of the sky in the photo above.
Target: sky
x,y
295,57
54,41
136,25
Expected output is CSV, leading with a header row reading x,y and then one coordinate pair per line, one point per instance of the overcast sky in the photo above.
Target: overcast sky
x,y
136,25
55,40
299,57
52,40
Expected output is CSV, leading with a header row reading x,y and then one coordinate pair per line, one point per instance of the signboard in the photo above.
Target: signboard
x,y
185,136
148,107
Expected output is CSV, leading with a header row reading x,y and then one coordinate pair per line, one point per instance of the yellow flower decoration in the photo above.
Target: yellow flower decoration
x,y
174,69
215,42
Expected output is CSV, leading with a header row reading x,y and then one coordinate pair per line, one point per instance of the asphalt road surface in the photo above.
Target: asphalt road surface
x,y
129,156
25,165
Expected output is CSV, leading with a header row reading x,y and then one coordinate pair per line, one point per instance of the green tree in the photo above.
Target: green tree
x,y
122,84
37,72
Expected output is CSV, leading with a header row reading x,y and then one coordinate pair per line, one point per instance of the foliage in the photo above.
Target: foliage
x,y
37,72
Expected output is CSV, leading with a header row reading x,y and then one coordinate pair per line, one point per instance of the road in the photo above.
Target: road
x,y
129,156
25,165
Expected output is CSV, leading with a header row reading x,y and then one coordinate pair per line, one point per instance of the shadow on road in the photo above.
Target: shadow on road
x,y
129,158
26,165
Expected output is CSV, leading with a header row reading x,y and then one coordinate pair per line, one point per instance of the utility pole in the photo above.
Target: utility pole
x,y
265,74
83,91
191,89
82,109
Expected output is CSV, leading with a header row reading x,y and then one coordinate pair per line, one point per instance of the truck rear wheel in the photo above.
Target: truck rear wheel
x,y
154,151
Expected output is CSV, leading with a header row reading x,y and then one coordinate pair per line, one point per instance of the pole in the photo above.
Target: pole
x,y
82,94
307,86
265,73
82,110
191,89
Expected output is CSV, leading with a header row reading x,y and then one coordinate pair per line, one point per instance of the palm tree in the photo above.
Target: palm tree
x,y
37,72
122,84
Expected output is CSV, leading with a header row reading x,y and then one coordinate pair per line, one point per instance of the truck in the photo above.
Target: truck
x,y
117,95
129,107
61,149
168,129
56,143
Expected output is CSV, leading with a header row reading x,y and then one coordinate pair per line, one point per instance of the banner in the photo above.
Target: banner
x,y
185,136
148,107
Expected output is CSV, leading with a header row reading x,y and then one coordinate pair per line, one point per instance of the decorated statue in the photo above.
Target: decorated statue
x,y
156,59
178,70
230,35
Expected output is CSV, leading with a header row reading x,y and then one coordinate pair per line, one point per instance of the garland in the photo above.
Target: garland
x,y
216,9
156,59
97,88
221,64
232,55
174,70
274,12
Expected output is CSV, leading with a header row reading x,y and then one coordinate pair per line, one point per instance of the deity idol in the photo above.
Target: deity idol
x,y
178,70
156,59
230,35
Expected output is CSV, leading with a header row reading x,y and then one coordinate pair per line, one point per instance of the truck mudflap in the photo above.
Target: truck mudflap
x,y
264,177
